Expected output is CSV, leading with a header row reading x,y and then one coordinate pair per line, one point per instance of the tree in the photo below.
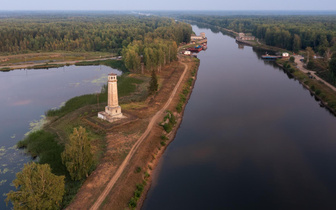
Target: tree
x,y
77,156
296,43
153,84
37,188
332,65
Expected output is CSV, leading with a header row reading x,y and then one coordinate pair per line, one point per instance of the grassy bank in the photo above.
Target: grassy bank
x,y
44,145
46,66
48,144
57,56
126,86
187,86
322,92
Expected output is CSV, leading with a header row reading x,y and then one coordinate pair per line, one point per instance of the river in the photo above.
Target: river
x,y
25,96
251,138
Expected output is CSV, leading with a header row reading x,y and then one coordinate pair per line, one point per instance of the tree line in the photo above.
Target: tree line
x,y
107,33
150,55
145,42
294,32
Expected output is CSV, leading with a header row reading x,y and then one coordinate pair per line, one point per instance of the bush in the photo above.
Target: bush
x,y
186,91
146,175
179,107
138,170
292,59
310,65
140,187
132,203
317,92
190,80
182,98
168,127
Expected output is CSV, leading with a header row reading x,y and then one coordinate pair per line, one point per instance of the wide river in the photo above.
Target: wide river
x,y
25,96
251,138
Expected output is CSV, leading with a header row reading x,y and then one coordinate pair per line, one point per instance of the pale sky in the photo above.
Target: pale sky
x,y
167,5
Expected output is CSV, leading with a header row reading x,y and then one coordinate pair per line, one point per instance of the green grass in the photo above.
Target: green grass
x,y
126,86
46,66
5,69
44,145
76,103
168,126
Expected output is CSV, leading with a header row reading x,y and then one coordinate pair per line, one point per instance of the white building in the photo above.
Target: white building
x,y
187,52
285,54
112,110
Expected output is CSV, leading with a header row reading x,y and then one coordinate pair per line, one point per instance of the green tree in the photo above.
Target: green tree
x,y
332,65
296,43
37,188
292,59
153,84
77,155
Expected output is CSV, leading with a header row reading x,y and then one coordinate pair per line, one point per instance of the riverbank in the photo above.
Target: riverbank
x,y
321,89
317,87
124,138
50,60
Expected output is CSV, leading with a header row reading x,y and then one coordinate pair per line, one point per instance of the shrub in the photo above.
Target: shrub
x,y
182,98
179,107
185,91
168,127
138,169
132,203
146,175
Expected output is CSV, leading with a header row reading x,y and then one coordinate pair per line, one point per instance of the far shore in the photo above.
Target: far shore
x,y
50,60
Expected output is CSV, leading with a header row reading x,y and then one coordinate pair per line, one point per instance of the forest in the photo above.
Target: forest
x,y
307,34
103,32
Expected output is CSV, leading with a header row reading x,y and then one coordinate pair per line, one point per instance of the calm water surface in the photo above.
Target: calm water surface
x,y
24,97
251,138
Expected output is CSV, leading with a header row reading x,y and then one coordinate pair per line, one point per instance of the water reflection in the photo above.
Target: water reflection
x,y
25,96
250,139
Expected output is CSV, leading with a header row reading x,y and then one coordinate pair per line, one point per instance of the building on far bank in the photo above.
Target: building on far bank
x,y
112,110
245,37
200,37
285,54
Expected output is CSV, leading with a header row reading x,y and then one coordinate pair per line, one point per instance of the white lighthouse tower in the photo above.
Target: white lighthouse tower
x,y
112,110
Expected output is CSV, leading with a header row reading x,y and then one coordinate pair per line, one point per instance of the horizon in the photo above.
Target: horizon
x,y
174,5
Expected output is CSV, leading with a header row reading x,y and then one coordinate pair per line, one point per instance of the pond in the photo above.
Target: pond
x,y
25,96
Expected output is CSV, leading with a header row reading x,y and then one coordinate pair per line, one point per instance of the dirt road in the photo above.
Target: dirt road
x,y
303,69
152,122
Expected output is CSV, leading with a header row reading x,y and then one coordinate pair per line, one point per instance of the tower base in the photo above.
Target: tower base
x,y
111,114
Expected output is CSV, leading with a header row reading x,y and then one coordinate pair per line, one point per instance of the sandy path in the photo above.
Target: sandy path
x,y
303,69
122,167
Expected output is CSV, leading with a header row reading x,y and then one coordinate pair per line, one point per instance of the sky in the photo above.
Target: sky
x,y
168,5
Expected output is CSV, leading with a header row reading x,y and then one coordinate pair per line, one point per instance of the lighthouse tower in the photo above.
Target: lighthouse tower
x,y
112,110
